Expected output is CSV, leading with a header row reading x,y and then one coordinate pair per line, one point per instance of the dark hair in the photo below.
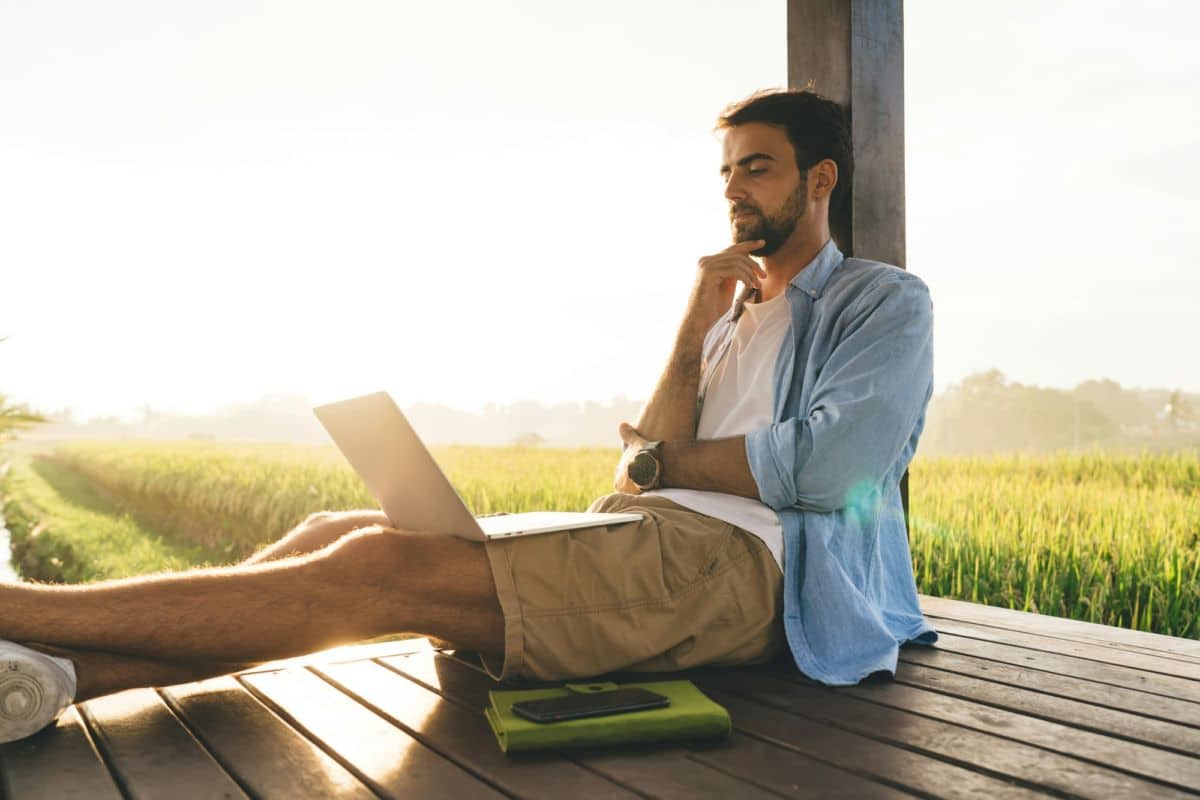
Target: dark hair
x,y
817,127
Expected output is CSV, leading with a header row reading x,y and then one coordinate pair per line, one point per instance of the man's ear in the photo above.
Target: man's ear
x,y
823,176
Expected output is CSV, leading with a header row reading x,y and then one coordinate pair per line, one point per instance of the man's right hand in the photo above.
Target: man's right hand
x,y
716,279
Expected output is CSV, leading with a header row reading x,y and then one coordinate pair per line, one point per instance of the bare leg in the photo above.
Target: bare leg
x,y
367,584
100,673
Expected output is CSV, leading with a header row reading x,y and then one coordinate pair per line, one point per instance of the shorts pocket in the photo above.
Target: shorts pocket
x,y
692,546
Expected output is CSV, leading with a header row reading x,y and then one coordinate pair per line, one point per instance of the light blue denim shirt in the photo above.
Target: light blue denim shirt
x,y
851,385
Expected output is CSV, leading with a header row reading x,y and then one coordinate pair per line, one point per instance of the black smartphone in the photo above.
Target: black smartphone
x,y
598,704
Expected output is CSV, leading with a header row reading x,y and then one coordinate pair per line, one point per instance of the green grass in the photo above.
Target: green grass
x,y
63,530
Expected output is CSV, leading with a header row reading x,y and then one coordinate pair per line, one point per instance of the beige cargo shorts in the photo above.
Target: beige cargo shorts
x,y
678,589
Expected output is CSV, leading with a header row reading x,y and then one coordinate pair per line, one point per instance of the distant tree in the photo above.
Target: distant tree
x,y
1123,406
1178,410
986,413
982,384
529,440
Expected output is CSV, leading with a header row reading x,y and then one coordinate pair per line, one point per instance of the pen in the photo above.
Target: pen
x,y
749,295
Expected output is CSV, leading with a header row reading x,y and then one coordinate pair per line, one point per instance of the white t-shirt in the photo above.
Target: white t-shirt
x,y
739,399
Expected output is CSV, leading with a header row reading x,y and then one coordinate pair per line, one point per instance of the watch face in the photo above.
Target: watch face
x,y
643,468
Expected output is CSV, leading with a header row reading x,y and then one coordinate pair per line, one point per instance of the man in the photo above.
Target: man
x,y
766,464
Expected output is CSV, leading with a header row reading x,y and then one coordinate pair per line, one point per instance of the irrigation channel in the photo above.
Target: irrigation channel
x,y
7,573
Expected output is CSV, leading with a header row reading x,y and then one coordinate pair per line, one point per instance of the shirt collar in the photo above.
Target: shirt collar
x,y
812,279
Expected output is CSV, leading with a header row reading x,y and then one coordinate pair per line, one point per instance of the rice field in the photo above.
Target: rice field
x,y
1108,539
1105,538
236,498
64,531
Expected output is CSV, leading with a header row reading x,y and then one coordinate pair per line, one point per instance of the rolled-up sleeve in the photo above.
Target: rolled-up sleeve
x,y
864,406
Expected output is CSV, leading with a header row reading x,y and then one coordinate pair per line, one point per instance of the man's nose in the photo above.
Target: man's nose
x,y
734,190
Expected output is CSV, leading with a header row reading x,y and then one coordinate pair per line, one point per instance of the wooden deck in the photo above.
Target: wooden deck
x,y
1007,705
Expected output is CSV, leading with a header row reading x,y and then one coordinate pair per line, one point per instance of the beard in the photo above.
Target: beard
x,y
775,228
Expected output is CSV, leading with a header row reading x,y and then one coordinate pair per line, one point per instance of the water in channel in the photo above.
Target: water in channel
x,y
7,573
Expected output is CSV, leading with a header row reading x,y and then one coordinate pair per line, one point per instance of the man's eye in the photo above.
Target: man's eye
x,y
757,170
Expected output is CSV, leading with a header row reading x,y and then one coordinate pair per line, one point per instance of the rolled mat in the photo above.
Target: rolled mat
x,y
691,715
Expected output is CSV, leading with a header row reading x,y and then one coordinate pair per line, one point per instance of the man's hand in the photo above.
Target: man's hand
x,y
634,441
716,279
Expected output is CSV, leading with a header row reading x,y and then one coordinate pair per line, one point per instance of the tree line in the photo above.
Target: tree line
x,y
986,413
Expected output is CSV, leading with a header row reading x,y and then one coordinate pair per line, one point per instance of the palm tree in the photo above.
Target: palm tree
x,y
14,417
1178,410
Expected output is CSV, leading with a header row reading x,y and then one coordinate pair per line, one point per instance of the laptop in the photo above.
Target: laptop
x,y
397,468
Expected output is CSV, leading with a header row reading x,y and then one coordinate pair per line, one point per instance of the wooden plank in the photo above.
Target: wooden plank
x,y
1095,652
349,652
149,752
1058,626
742,757
1179,690
1140,759
1132,700
1066,637
916,772
463,735
268,757
59,762
790,773
670,771
1021,690
975,749
390,761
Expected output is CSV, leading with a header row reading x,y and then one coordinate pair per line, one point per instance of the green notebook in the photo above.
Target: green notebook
x,y
690,715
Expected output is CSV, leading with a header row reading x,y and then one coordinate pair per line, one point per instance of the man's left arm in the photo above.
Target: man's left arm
x,y
865,404
715,465
867,401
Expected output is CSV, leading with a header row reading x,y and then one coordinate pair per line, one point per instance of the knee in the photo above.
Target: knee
x,y
316,519
422,562
343,520
366,554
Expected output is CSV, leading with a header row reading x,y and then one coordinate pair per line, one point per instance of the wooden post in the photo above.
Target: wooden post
x,y
852,51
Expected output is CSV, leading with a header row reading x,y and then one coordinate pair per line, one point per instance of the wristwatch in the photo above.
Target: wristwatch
x,y
645,468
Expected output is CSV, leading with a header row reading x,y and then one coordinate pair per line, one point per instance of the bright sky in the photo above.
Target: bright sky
x,y
480,202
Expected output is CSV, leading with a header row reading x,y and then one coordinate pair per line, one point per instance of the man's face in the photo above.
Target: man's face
x,y
767,194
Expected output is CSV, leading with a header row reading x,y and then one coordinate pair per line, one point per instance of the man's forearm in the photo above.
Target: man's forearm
x,y
670,414
714,465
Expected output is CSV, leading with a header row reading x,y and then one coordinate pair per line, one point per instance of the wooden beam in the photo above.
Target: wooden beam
x,y
852,51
